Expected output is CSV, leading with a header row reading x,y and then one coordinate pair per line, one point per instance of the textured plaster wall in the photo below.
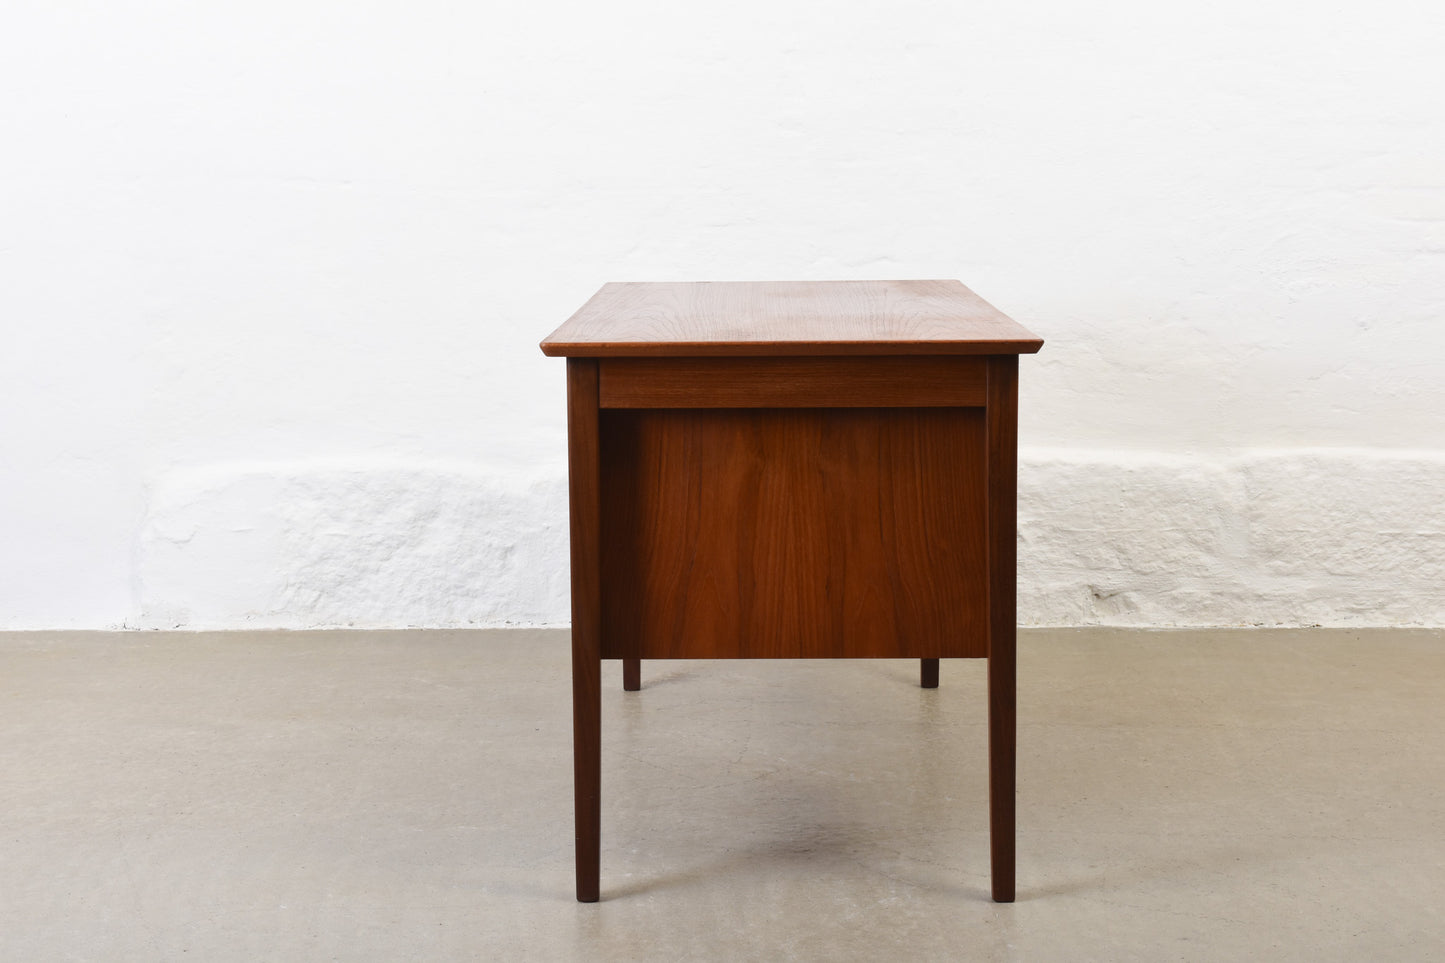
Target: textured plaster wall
x,y
1267,538
272,278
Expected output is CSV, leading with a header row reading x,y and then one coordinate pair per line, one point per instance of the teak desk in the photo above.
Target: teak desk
x,y
810,470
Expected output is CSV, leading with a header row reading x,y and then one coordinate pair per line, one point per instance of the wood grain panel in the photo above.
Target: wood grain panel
x,y
703,318
940,382
794,533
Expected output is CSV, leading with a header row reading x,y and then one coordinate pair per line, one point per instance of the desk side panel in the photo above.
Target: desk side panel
x,y
794,533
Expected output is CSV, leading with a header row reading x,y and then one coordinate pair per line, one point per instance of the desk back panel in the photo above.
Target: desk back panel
x,y
794,533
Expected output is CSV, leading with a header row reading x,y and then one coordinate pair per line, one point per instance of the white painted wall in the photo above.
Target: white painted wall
x,y
272,277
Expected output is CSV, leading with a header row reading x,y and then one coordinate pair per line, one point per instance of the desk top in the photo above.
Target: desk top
x,y
697,318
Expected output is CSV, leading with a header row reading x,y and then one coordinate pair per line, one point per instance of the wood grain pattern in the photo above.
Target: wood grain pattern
x,y
933,382
1002,617
796,533
585,496
787,318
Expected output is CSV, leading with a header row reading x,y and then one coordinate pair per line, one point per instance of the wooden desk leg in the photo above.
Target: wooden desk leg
x,y
928,673
631,675
1002,732
584,488
1002,617
587,767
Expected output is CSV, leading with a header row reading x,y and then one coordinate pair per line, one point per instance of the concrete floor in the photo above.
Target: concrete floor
x,y
1199,795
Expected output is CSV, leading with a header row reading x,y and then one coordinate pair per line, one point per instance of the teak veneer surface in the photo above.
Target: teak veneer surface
x,y
794,533
708,318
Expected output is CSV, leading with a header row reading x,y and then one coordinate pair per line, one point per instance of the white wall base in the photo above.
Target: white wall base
x,y
300,546
1293,537
1289,537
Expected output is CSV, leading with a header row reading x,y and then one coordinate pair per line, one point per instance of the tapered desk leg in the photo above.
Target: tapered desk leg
x,y
631,675
1002,616
587,768
928,673
584,488
1002,730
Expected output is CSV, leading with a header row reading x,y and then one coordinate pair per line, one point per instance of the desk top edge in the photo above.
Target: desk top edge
x,y
778,318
